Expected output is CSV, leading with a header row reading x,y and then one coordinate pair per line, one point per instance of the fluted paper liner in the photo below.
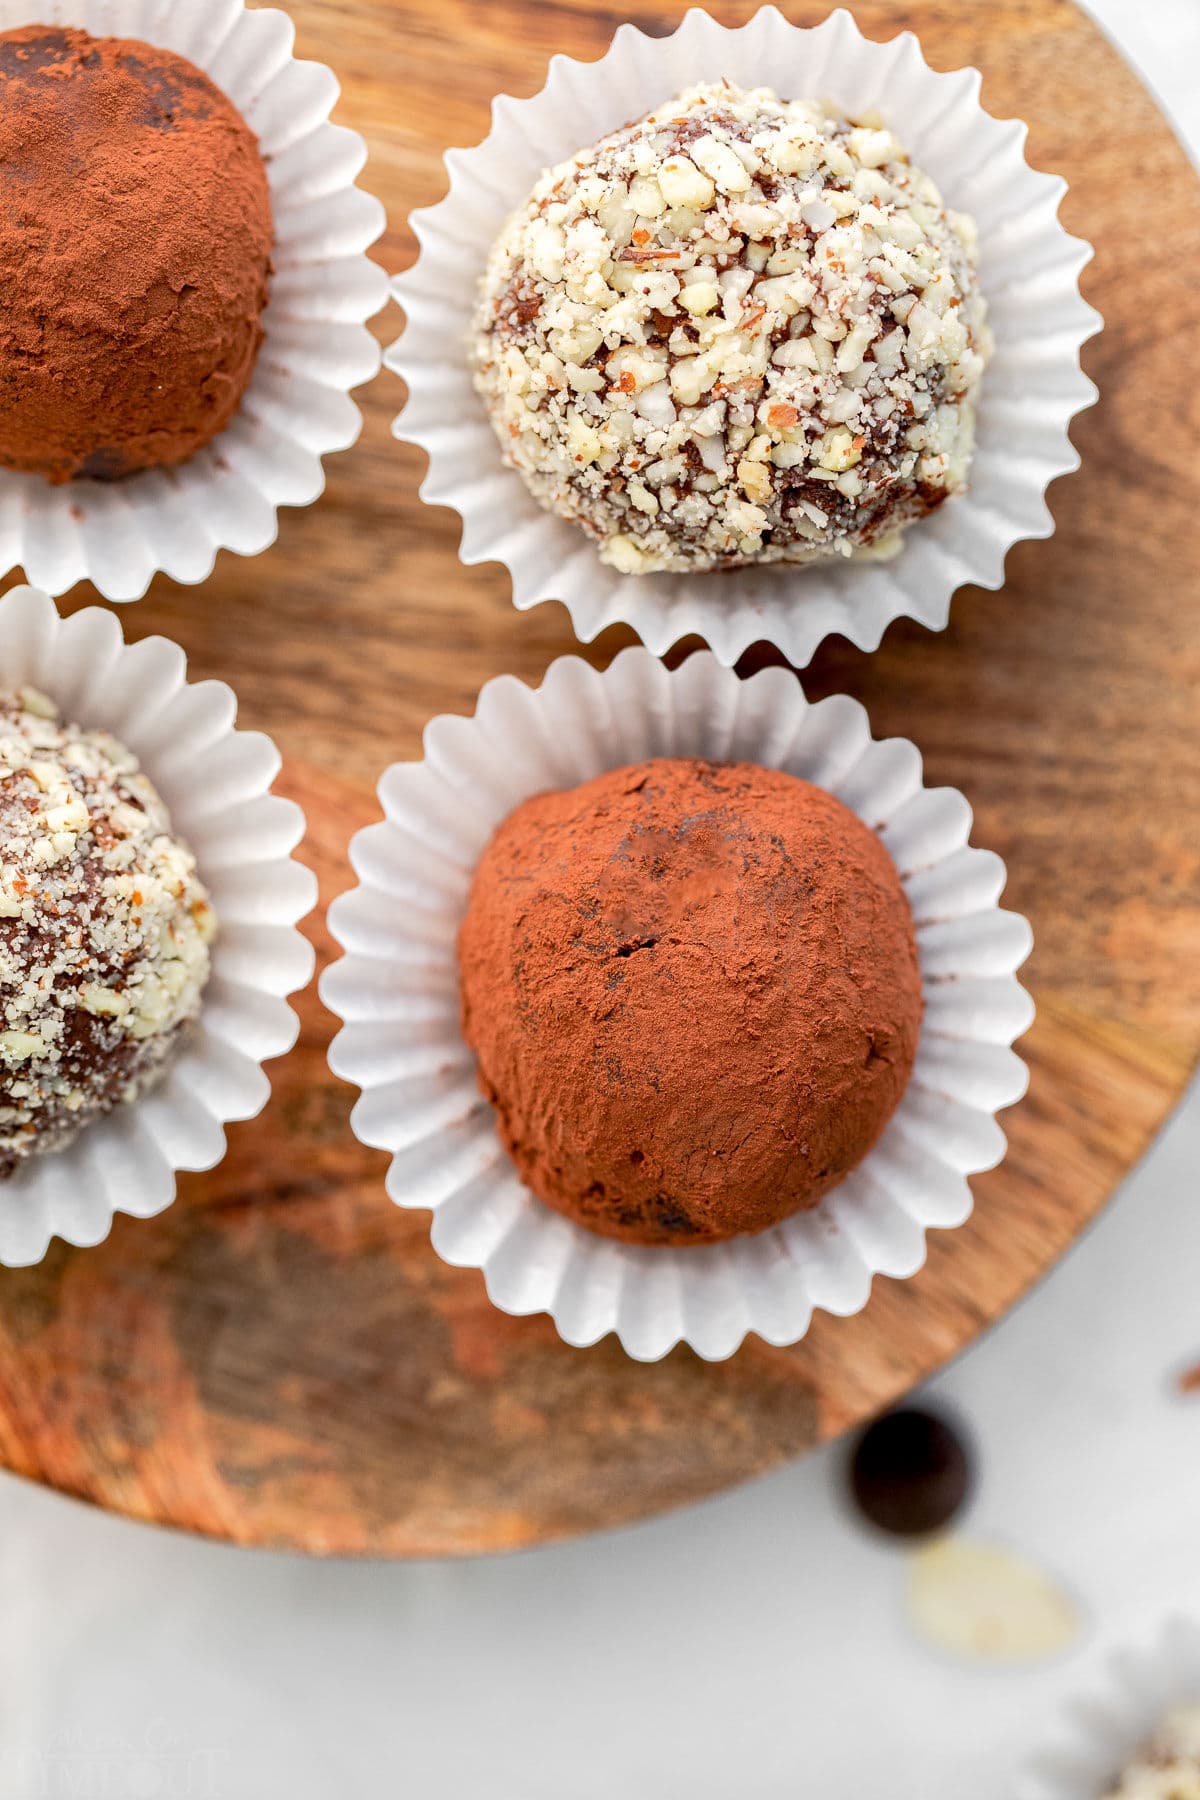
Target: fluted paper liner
x,y
1101,1732
297,408
216,782
1032,388
396,988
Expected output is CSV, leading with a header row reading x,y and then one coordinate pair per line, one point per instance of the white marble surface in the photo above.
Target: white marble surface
x,y
755,1646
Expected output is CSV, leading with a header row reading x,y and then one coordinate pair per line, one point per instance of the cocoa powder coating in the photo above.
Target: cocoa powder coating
x,y
693,993
135,246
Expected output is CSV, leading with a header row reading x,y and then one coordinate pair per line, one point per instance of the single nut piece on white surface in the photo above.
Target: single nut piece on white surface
x,y
987,1603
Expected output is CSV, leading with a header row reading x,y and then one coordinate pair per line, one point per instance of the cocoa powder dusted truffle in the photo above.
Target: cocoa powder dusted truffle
x,y
741,330
104,929
693,993
135,244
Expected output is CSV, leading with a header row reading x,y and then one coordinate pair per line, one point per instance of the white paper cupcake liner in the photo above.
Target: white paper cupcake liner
x,y
1103,1730
396,989
298,407
1032,388
216,782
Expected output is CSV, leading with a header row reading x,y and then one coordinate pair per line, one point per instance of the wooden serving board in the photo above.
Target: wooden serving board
x,y
281,1359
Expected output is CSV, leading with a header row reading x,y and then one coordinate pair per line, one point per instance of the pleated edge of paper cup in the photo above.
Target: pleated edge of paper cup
x,y
1129,1687
34,612
1018,1020
597,597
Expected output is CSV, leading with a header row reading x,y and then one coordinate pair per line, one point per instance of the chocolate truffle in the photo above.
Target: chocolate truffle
x,y
693,993
741,330
1168,1766
135,246
104,929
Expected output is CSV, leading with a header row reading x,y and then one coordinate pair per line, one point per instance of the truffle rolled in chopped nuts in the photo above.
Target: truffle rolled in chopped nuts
x,y
740,330
105,929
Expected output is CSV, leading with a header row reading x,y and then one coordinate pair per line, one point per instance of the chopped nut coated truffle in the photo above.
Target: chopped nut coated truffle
x,y
104,929
741,330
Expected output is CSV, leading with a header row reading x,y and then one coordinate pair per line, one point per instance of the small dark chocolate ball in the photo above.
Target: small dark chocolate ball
x,y
910,1472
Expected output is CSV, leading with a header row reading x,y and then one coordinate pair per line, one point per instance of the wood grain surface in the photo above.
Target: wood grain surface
x,y
281,1359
